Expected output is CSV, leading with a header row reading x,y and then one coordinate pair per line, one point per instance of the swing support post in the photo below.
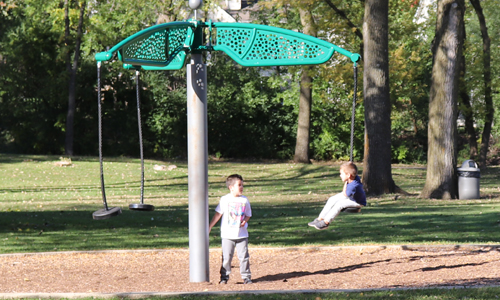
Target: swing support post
x,y
197,169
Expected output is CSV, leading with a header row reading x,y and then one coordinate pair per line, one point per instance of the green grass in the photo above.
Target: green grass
x,y
413,294
443,294
44,207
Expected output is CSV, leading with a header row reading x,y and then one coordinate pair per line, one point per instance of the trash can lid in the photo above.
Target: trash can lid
x,y
469,165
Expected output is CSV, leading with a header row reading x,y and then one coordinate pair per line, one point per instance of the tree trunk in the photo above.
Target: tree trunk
x,y
466,110
72,79
377,176
305,100
304,119
441,179
488,99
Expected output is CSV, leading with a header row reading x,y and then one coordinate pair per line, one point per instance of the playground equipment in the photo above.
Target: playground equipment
x,y
165,47
140,206
106,212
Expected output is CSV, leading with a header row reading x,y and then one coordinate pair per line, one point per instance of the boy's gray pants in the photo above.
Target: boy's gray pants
x,y
241,246
335,205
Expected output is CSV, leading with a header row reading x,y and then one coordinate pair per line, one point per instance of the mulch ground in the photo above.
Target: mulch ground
x,y
272,269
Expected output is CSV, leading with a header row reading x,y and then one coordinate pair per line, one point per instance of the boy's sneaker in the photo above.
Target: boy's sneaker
x,y
320,225
247,281
313,222
223,281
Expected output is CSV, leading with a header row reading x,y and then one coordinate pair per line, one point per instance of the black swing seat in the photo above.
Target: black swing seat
x,y
106,213
352,209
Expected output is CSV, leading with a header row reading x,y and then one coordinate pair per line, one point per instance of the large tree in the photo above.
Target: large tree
x,y
71,68
305,97
441,179
488,99
377,176
466,109
464,105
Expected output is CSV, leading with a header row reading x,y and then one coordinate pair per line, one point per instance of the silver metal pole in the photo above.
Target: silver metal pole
x,y
197,169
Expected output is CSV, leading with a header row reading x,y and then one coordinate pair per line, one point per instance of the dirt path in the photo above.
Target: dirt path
x,y
272,269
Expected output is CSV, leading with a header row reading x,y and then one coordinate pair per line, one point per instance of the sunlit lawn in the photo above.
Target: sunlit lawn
x,y
45,207
425,294
483,293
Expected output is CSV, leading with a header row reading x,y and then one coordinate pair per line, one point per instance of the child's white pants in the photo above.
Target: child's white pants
x,y
335,205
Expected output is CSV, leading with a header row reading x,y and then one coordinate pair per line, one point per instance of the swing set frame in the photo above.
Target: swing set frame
x,y
165,47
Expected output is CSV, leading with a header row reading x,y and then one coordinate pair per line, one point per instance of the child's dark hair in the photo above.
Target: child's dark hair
x,y
350,168
231,179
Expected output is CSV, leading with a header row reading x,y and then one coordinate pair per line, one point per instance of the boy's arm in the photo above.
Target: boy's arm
x,y
214,221
344,189
244,221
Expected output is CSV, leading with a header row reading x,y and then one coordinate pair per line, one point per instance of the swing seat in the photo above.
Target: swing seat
x,y
106,213
141,206
352,210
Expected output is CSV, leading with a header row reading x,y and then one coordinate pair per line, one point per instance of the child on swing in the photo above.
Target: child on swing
x,y
352,195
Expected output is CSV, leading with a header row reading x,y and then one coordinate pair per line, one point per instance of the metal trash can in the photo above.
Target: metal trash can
x,y
468,180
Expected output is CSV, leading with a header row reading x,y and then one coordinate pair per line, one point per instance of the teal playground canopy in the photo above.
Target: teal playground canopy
x,y
164,46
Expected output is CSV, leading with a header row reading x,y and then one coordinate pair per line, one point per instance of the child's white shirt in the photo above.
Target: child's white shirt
x,y
233,211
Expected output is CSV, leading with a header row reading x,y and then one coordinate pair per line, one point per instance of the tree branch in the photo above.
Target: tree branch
x,y
358,32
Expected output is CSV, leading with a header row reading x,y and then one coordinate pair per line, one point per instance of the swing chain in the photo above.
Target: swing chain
x,y
353,110
137,73
100,133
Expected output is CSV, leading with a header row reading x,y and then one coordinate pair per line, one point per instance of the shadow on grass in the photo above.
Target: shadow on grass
x,y
287,225
271,225
150,184
40,231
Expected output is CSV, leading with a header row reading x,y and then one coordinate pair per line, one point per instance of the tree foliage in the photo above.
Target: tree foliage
x,y
259,113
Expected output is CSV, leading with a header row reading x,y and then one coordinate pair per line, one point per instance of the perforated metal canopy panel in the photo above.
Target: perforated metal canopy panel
x,y
158,47
161,46
260,45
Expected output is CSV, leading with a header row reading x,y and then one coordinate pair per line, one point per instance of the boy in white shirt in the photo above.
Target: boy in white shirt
x,y
235,211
